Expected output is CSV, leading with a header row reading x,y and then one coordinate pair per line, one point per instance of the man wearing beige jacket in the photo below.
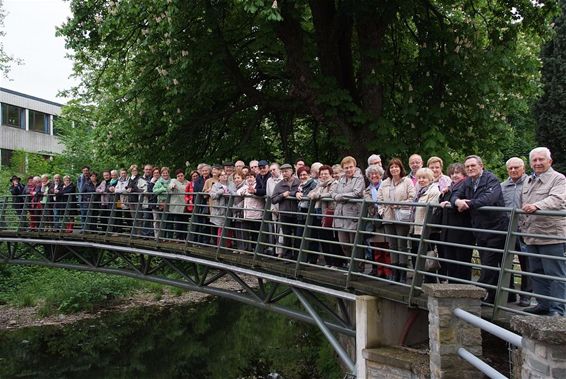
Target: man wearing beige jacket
x,y
545,190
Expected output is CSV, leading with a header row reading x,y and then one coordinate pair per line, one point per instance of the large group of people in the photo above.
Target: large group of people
x,y
323,197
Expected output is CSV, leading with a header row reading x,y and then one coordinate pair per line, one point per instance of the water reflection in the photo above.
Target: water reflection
x,y
216,339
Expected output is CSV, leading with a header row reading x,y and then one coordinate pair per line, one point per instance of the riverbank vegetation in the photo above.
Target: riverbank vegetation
x,y
59,291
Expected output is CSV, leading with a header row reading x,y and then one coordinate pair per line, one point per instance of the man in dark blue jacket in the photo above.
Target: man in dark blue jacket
x,y
481,188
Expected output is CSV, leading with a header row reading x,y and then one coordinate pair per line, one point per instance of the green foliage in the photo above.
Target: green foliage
x,y
176,81
551,110
60,291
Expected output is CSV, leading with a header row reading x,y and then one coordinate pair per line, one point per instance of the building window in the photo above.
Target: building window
x,y
38,122
6,157
56,131
13,116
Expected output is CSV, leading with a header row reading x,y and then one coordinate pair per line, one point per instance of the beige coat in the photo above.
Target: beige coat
x,y
323,191
404,191
547,192
348,189
431,195
253,205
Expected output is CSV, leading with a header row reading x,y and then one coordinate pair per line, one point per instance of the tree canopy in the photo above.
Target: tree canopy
x,y
177,81
551,109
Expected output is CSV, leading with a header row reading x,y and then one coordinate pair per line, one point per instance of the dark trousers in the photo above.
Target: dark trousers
x,y
251,232
491,259
288,231
332,251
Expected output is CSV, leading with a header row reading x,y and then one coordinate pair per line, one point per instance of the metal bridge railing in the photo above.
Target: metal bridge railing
x,y
504,334
303,238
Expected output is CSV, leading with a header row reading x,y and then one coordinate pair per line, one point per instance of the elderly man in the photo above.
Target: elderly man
x,y
415,162
545,190
374,159
481,188
282,192
511,189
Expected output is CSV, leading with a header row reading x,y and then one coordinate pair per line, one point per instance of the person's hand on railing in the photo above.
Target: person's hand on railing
x,y
299,195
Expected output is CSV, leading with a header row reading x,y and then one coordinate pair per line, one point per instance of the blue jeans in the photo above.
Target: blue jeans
x,y
551,267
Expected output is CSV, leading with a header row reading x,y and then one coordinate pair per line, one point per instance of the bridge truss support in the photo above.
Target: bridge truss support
x,y
326,308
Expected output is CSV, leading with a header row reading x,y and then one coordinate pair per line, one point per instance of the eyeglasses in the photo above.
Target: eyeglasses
x,y
253,166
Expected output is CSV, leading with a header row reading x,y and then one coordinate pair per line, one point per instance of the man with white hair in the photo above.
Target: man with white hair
x,y
374,159
512,188
545,190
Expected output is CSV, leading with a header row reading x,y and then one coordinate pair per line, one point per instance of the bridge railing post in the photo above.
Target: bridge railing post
x,y
262,228
135,220
358,240
419,265
3,207
88,219
226,225
505,276
304,238
111,215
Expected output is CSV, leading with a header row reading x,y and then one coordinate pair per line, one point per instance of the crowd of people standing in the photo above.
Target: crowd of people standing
x,y
139,201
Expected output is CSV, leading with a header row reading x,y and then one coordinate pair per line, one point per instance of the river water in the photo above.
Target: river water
x,y
214,339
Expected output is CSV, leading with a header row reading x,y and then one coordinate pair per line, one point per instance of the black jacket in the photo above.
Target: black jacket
x,y
261,184
487,193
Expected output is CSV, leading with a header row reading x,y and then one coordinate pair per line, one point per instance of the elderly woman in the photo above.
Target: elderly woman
x,y
218,205
177,205
322,194
451,217
253,210
161,188
443,181
374,173
67,203
396,188
350,186
237,213
306,185
428,194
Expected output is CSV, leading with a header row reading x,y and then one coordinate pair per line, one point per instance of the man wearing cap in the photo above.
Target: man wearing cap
x,y
287,207
17,191
261,178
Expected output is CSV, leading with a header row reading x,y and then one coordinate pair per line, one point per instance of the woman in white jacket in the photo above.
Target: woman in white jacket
x,y
253,210
398,187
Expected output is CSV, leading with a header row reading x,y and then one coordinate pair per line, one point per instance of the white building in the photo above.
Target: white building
x,y
26,123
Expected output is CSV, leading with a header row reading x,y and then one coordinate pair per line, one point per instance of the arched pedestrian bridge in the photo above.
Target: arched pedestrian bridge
x,y
188,251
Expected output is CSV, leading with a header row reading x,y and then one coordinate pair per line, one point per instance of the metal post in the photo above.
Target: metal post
x,y
306,234
506,263
43,211
264,217
327,333
419,261
65,215
162,220
111,220
357,240
135,221
190,227
23,214
3,224
226,224
88,213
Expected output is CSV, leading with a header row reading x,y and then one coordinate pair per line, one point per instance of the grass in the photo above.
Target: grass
x,y
57,291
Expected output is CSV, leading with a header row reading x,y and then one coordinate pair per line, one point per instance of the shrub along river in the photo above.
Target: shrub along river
x,y
213,339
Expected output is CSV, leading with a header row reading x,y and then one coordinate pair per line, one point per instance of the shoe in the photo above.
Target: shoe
x,y
537,310
524,302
